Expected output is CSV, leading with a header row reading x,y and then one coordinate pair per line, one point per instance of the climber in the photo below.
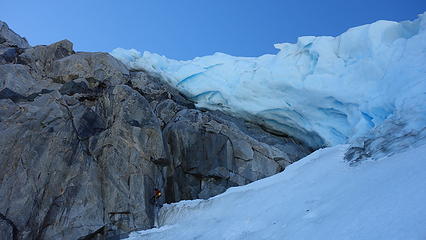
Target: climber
x,y
156,196
155,201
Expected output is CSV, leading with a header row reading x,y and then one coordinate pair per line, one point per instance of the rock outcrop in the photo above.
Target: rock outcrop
x,y
208,152
8,38
84,143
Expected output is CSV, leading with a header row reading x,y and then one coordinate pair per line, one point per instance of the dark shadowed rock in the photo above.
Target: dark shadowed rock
x,y
6,93
211,154
8,55
392,136
8,229
73,87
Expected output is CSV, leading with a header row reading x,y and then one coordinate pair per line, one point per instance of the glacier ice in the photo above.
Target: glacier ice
x,y
321,90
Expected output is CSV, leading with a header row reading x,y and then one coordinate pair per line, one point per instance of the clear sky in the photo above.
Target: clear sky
x,y
184,29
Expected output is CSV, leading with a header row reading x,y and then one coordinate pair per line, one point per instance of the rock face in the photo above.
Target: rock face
x,y
9,38
84,143
208,152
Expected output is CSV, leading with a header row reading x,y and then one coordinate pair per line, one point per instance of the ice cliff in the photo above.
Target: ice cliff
x,y
321,90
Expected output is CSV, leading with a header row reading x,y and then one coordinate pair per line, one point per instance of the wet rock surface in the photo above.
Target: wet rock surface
x,y
84,143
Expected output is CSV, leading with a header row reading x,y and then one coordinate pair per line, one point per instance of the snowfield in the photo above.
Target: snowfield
x,y
318,197
322,90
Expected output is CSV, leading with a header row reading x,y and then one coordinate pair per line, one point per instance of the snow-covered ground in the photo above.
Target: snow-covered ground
x,y
318,197
323,90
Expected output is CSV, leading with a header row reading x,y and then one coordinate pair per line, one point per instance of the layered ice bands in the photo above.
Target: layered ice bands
x,y
321,90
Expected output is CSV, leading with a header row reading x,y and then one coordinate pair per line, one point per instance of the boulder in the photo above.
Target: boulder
x,y
97,68
9,38
74,87
40,58
17,84
17,78
8,55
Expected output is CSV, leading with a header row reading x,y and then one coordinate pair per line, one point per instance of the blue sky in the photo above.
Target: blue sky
x,y
184,29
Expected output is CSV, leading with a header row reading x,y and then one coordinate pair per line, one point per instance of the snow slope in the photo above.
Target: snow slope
x,y
318,197
322,90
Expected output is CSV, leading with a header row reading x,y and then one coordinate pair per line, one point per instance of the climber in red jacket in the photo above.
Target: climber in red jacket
x,y
157,205
157,195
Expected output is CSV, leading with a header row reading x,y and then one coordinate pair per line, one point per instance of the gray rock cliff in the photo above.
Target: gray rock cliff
x,y
84,142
